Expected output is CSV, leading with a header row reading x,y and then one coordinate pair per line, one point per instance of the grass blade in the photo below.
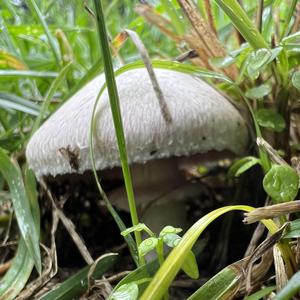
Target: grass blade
x,y
16,277
116,113
165,275
42,21
55,84
291,289
26,74
242,23
77,284
12,173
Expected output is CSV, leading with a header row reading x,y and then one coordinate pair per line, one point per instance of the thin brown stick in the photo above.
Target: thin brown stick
x,y
272,211
210,17
70,227
146,59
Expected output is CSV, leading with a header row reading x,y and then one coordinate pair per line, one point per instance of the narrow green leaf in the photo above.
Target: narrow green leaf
x,y
16,277
116,113
242,165
270,119
190,266
222,283
261,293
42,21
26,74
12,173
281,183
77,284
242,23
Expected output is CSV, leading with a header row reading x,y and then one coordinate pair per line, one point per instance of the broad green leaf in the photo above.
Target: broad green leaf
x,y
270,119
242,165
169,229
293,230
296,80
190,266
128,291
258,92
222,62
12,173
171,239
147,245
281,183
259,58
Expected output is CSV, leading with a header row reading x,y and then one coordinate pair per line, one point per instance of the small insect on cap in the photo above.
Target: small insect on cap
x,y
202,120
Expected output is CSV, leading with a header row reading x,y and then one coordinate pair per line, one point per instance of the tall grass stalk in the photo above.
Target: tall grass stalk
x,y
116,113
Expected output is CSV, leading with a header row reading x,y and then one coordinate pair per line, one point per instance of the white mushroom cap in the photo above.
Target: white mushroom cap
x,y
203,120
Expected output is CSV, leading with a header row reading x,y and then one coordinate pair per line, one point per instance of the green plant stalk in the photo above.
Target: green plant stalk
x,y
165,275
243,23
161,259
116,113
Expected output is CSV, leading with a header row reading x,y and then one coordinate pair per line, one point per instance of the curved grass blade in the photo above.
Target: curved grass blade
x,y
77,284
166,274
12,174
16,277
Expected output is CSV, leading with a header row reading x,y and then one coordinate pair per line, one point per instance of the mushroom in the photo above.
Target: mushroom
x,y
205,125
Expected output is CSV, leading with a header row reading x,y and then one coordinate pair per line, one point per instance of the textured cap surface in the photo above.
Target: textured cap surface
x,y
203,120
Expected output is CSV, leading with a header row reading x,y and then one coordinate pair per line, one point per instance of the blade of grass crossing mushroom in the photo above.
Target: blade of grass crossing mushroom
x,y
116,113
243,23
55,84
166,274
34,8
12,174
